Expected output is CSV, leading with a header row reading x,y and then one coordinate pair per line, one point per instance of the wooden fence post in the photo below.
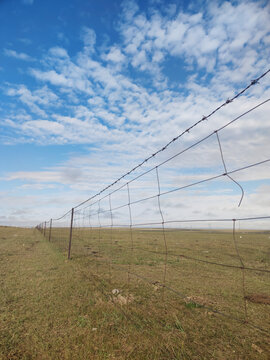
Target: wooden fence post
x,y
50,233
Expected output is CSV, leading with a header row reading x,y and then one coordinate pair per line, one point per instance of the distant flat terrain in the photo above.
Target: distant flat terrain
x,y
134,296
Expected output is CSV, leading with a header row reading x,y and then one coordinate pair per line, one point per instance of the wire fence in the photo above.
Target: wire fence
x,y
189,221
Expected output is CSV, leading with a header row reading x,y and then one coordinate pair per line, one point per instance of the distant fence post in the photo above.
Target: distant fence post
x,y
45,229
70,233
50,230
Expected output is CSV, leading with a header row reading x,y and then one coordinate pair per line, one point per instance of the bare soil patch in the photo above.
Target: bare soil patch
x,y
259,298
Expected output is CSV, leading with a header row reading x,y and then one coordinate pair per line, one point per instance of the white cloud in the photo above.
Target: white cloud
x,y
17,55
41,127
224,33
89,39
42,96
115,55
58,52
69,76
130,8
51,76
96,98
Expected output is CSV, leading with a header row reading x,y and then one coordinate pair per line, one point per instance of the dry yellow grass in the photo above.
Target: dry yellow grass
x,y
52,308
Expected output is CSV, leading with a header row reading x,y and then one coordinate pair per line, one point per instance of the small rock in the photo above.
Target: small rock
x,y
115,292
94,329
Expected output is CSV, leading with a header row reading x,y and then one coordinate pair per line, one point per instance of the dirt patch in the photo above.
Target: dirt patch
x,y
259,298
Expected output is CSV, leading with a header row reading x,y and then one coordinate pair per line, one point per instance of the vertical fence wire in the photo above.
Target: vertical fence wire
x,y
111,237
226,171
242,270
99,237
90,228
164,237
131,240
70,233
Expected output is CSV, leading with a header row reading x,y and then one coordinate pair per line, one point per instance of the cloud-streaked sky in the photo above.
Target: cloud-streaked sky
x,y
90,88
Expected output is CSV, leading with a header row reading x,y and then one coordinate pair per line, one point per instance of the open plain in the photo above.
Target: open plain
x,y
122,296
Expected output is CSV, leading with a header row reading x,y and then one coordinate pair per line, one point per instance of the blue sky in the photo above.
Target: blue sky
x,y
90,88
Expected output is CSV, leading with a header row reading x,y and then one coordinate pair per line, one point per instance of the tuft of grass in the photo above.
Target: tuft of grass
x,y
178,325
192,305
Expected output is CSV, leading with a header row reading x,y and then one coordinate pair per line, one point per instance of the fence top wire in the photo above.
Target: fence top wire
x,y
180,153
203,119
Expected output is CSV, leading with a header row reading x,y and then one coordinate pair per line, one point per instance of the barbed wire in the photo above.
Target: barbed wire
x,y
215,132
203,119
215,177
87,221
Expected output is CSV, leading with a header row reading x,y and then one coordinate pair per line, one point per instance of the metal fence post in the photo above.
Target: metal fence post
x,y
50,230
70,233
45,229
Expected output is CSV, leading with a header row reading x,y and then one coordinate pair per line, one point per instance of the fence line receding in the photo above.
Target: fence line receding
x,y
194,225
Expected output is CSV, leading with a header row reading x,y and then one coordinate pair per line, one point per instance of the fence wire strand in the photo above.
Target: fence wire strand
x,y
108,229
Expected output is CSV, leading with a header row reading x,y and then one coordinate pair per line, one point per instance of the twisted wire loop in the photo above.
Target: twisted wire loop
x,y
131,244
242,270
226,171
164,238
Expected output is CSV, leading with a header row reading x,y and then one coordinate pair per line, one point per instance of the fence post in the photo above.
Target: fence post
x,y
45,229
50,230
70,233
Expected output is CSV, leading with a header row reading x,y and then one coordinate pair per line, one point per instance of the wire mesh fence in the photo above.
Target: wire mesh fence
x,y
189,222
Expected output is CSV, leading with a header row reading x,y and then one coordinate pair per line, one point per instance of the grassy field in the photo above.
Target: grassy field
x,y
52,308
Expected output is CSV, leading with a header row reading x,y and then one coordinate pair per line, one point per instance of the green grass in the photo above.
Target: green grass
x,y
52,308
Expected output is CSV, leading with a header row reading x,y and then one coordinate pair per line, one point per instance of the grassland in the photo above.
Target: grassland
x,y
52,308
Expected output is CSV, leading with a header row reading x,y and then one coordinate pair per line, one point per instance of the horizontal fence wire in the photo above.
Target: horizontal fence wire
x,y
144,229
